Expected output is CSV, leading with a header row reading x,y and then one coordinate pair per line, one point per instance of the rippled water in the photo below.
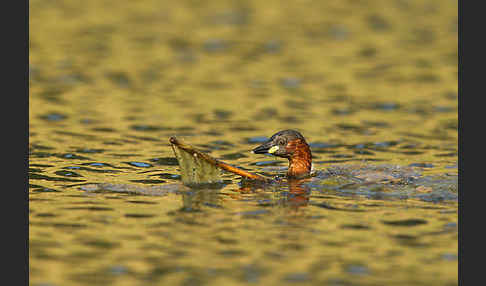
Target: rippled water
x,y
372,85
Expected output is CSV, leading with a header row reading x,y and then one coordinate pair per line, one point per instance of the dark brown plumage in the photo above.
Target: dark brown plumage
x,y
289,144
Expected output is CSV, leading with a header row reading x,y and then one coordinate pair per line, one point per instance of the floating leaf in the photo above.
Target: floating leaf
x,y
200,168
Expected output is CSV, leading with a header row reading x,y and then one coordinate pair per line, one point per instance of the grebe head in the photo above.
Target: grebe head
x,y
289,144
280,144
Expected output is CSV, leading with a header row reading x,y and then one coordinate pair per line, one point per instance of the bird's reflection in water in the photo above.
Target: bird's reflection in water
x,y
299,193
286,193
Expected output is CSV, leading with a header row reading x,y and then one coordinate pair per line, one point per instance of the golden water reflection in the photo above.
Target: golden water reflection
x,y
368,83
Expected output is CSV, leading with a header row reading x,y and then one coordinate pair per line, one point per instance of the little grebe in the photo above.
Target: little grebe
x,y
289,144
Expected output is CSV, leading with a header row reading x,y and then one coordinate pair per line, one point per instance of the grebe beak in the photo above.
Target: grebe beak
x,y
267,147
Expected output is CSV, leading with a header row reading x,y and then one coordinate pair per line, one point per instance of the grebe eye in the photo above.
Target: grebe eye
x,y
281,142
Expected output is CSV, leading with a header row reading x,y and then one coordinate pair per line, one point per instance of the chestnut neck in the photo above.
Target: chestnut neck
x,y
300,162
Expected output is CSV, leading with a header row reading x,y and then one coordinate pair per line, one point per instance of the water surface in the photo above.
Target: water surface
x,y
372,84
